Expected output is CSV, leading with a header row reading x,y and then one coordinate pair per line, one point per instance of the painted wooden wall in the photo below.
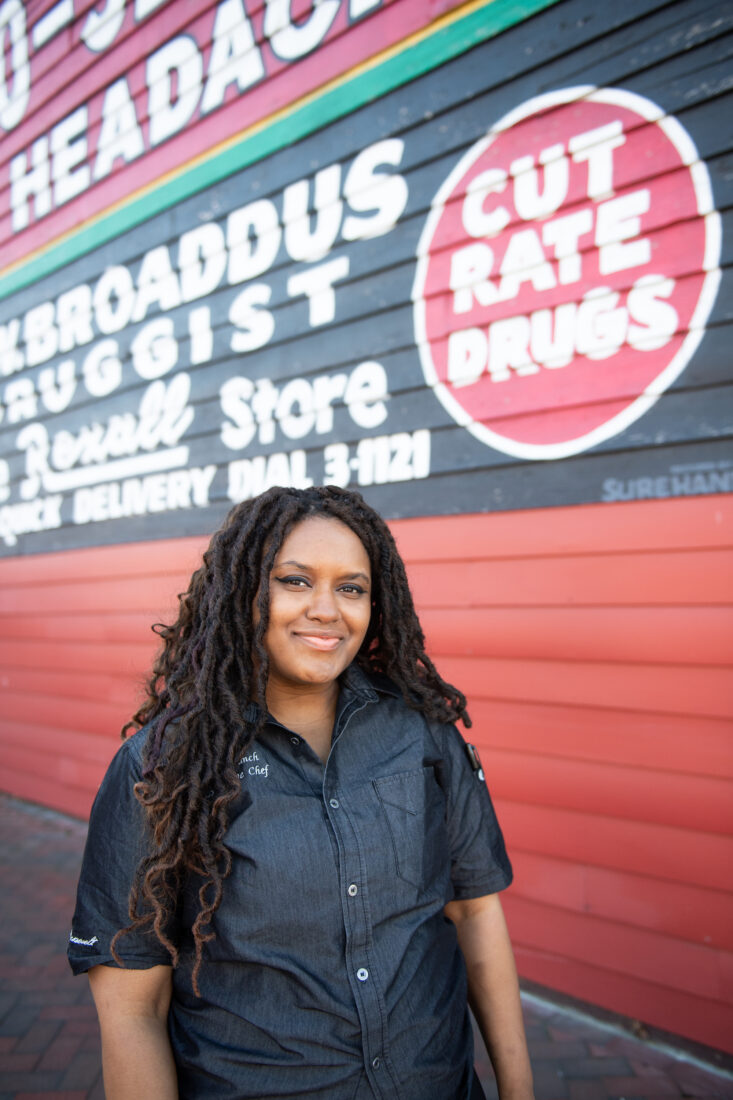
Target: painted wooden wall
x,y
588,622
595,646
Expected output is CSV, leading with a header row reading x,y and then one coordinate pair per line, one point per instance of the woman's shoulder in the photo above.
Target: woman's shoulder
x,y
131,752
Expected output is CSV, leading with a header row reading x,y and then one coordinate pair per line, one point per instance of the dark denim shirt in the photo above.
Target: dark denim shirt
x,y
334,973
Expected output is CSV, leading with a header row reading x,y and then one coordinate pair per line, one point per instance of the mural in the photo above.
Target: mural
x,y
456,297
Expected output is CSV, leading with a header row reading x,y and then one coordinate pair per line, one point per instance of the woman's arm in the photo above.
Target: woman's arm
x,y
132,1006
493,991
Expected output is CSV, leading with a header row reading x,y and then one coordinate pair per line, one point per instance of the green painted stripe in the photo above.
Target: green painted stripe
x,y
428,53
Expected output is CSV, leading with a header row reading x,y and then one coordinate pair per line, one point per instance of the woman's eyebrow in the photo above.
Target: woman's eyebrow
x,y
307,569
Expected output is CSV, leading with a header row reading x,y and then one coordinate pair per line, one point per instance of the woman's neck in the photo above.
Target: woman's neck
x,y
308,712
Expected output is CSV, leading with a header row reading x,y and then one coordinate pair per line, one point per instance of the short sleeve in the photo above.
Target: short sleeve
x,y
479,862
115,845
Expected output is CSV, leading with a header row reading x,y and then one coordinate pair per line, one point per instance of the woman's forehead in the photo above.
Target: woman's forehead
x,y
317,539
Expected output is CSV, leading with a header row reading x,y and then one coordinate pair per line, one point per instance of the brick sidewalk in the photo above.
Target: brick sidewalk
x,y
49,1041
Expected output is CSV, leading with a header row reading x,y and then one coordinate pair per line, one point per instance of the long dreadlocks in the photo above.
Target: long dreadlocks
x,y
213,666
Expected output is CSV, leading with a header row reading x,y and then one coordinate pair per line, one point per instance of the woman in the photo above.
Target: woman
x,y
272,859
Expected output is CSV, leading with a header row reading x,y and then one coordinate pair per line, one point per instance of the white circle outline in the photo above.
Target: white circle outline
x,y
687,150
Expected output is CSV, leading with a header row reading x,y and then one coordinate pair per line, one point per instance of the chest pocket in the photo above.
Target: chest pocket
x,y
414,806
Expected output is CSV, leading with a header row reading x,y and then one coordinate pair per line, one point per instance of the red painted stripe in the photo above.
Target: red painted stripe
x,y
96,717
662,688
659,635
704,1019
76,677
663,960
666,578
671,908
100,628
631,794
685,743
702,859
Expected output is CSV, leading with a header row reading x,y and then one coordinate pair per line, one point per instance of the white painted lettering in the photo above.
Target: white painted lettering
x,y
173,76
35,183
69,170
531,203
302,241
316,283
157,283
155,349
253,238
120,136
290,40
618,221
595,147
476,221
15,71
202,260
366,189
235,58
254,324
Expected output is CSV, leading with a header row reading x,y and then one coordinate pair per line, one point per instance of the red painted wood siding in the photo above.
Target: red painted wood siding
x,y
595,645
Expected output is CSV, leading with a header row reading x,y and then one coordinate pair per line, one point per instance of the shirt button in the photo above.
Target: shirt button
x,y
362,974
334,803
294,740
353,890
376,1063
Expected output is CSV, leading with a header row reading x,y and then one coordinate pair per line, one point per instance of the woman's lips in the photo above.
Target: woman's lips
x,y
324,642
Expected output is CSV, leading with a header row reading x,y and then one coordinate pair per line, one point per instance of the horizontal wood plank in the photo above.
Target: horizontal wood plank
x,y
658,635
666,689
636,847
660,797
674,909
119,682
664,960
707,1020
689,744
99,627
52,741
38,665
693,523
159,558
97,716
668,578
151,595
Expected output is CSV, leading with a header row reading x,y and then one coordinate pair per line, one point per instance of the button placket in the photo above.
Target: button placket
x,y
356,922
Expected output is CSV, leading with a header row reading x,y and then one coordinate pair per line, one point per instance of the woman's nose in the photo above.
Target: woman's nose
x,y
322,605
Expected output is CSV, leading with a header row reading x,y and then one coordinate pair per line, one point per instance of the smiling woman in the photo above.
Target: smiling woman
x,y
320,607
272,857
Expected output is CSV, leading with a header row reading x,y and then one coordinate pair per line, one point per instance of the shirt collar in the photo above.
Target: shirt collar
x,y
354,681
368,685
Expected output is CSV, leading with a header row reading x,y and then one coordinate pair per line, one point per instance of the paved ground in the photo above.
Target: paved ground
x,y
49,1042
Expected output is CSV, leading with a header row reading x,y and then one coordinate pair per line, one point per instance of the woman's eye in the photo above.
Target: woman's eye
x,y
352,589
294,582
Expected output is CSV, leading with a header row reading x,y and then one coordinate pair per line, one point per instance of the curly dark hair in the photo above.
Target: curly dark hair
x,y
213,666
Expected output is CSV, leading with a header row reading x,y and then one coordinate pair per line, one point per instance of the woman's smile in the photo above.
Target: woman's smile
x,y
324,642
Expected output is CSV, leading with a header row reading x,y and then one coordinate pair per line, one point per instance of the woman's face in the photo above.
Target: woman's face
x,y
320,603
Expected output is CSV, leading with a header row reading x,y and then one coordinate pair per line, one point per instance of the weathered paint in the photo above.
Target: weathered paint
x,y
234,129
593,640
333,324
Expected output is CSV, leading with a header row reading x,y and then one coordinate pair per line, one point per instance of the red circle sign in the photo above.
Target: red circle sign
x,y
566,271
